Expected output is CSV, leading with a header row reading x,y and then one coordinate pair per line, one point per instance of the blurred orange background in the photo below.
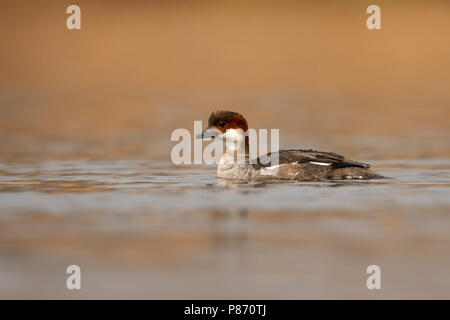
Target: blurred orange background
x,y
144,68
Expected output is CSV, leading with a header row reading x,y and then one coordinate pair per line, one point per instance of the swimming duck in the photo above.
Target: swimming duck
x,y
293,164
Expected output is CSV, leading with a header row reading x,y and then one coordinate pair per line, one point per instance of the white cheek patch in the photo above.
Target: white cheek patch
x,y
234,135
320,163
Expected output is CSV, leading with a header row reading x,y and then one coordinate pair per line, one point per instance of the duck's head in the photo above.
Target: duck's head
x,y
227,125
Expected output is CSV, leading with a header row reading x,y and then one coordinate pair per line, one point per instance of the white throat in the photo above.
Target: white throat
x,y
234,146
234,139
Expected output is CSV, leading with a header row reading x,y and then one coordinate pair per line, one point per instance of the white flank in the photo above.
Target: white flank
x,y
273,167
270,171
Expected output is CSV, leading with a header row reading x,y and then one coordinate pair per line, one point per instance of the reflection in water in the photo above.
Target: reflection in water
x,y
149,229
229,235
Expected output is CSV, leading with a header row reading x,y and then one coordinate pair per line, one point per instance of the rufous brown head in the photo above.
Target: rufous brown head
x,y
221,121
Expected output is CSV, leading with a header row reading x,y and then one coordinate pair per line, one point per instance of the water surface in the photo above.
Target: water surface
x,y
142,228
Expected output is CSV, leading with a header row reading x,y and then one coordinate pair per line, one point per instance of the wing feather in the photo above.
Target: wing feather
x,y
305,156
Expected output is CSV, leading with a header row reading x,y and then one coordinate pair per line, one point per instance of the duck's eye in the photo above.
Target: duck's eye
x,y
222,124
